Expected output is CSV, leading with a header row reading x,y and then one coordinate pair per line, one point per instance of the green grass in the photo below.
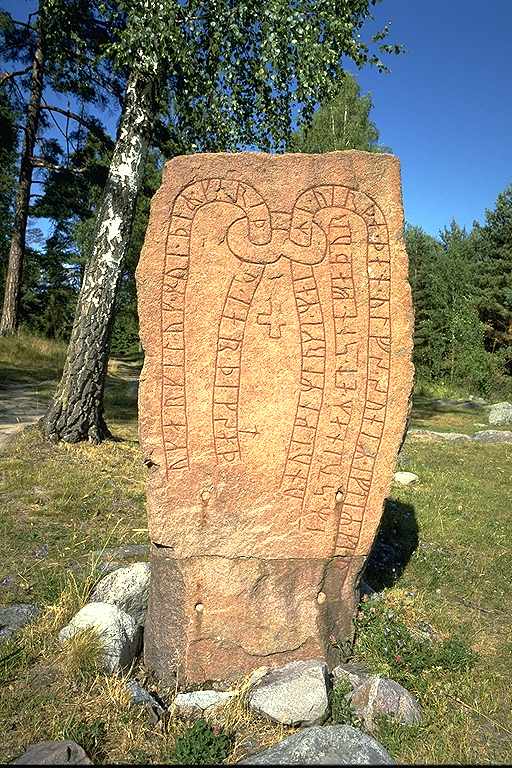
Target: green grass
x,y
457,581
25,358
446,607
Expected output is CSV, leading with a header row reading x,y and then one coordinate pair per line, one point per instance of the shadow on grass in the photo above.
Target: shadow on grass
x,y
396,540
426,407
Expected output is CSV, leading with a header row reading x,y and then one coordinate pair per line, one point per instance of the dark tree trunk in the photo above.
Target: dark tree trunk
x,y
9,321
76,412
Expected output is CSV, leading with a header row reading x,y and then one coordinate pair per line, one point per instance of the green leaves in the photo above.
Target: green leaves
x,y
341,123
231,72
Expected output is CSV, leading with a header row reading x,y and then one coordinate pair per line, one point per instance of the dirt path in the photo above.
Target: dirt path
x,y
23,403
20,405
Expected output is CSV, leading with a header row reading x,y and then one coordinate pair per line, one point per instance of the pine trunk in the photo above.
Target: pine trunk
x,y
9,321
76,412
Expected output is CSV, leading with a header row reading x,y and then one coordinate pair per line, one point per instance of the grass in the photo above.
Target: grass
x,y
443,571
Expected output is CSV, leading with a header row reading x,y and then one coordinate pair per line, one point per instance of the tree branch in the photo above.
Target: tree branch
x,y
5,76
40,162
90,124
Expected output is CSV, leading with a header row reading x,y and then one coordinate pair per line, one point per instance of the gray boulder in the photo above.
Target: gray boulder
x,y
380,696
500,413
53,753
118,632
128,588
350,673
14,617
493,436
327,745
296,694
197,703
144,698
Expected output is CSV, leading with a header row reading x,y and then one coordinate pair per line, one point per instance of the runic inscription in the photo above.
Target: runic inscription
x,y
276,321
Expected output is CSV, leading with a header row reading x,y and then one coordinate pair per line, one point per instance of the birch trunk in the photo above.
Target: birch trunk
x,y
9,321
76,412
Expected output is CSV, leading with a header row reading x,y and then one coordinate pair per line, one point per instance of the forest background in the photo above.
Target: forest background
x,y
461,280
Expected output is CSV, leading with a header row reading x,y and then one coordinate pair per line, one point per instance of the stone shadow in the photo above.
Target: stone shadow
x,y
396,540
424,408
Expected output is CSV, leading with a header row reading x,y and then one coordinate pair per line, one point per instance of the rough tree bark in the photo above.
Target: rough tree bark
x,y
76,411
9,321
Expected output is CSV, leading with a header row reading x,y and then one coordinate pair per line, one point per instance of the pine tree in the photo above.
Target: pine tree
x,y
493,246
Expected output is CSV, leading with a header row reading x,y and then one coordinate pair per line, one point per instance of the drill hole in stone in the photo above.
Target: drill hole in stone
x,y
339,495
199,607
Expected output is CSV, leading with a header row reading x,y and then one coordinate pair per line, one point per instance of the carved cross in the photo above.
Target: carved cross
x,y
272,321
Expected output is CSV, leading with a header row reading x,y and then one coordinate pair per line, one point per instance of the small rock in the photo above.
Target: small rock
x,y
500,413
8,581
405,478
493,436
41,552
128,588
197,703
381,696
53,753
295,694
117,630
430,434
327,745
14,617
365,590
145,699
351,673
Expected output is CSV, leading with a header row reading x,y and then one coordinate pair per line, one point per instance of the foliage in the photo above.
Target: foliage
x,y
90,735
342,122
382,634
234,71
493,246
201,744
450,334
342,712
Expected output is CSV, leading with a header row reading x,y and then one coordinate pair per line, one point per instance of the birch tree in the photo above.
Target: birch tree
x,y
225,73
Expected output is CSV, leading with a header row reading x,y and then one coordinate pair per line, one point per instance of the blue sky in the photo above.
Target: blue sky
x,y
446,107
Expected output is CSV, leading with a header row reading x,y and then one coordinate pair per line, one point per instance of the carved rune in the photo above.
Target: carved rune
x,y
272,321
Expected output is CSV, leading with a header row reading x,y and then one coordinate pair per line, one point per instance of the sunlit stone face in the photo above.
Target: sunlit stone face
x,y
276,322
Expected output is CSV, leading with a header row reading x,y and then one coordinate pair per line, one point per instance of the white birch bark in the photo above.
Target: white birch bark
x,y
76,412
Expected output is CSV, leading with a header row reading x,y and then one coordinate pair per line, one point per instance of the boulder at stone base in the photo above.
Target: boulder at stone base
x,y
379,696
118,632
53,753
128,588
296,694
327,745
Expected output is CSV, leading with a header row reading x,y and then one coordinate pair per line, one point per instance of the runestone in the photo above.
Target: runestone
x,y
276,322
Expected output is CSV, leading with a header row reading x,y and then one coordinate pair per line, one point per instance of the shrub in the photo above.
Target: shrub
x,y
342,711
201,745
